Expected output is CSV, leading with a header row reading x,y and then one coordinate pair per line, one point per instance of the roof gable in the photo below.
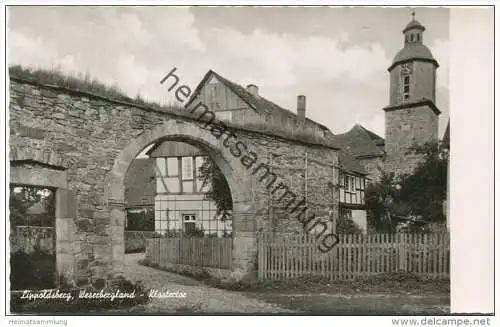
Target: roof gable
x,y
258,103
349,163
360,142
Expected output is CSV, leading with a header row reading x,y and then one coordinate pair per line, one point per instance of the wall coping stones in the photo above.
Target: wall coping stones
x,y
168,112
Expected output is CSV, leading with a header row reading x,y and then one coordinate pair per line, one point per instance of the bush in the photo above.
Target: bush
x,y
135,241
35,270
347,226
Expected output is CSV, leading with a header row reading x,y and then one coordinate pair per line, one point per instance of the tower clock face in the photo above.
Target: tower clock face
x,y
406,68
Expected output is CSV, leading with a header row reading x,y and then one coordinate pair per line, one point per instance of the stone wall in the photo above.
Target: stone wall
x,y
404,128
95,139
422,83
27,238
374,166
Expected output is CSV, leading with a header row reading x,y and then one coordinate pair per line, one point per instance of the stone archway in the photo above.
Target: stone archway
x,y
244,243
35,167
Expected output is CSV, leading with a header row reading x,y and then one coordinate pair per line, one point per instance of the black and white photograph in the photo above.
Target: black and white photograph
x,y
237,160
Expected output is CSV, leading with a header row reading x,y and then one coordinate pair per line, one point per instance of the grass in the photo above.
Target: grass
x,y
88,84
83,83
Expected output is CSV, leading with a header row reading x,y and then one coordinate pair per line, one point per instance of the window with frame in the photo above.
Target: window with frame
x,y
189,223
345,213
167,175
205,220
406,87
180,175
187,175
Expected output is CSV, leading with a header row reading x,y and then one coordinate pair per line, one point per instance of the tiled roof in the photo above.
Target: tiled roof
x,y
265,107
140,183
360,142
258,103
413,24
349,163
413,51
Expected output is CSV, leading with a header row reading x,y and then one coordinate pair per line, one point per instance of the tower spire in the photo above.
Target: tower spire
x,y
413,14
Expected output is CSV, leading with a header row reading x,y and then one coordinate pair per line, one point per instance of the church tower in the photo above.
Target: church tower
x,y
412,116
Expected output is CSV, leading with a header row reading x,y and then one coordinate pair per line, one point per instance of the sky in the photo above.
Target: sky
x,y
337,57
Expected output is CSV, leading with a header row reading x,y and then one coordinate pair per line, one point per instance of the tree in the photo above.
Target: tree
x,y
347,226
379,199
143,220
416,198
219,191
425,189
22,198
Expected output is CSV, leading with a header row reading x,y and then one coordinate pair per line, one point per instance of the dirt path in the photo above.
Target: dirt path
x,y
199,297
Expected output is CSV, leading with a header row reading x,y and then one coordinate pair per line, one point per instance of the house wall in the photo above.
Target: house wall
x,y
170,208
219,98
96,139
359,217
230,107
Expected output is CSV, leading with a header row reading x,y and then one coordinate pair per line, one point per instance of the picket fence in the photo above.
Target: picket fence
x,y
194,251
291,256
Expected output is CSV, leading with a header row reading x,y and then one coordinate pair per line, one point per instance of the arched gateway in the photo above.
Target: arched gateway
x,y
239,182
86,144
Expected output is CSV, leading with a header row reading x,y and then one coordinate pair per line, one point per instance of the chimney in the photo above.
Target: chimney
x,y
301,107
253,89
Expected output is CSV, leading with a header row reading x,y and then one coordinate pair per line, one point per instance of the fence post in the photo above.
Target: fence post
x,y
260,249
401,251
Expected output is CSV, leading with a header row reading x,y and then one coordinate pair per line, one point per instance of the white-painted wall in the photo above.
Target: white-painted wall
x,y
359,217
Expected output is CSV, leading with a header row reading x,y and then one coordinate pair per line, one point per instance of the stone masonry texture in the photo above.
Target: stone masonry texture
x,y
404,128
94,140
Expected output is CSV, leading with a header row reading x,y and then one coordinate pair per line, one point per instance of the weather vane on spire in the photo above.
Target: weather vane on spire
x,y
413,14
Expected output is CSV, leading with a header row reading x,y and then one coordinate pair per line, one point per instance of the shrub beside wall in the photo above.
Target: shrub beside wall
x,y
27,238
135,241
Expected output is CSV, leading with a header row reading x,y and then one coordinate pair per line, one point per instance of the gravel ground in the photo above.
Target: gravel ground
x,y
199,298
